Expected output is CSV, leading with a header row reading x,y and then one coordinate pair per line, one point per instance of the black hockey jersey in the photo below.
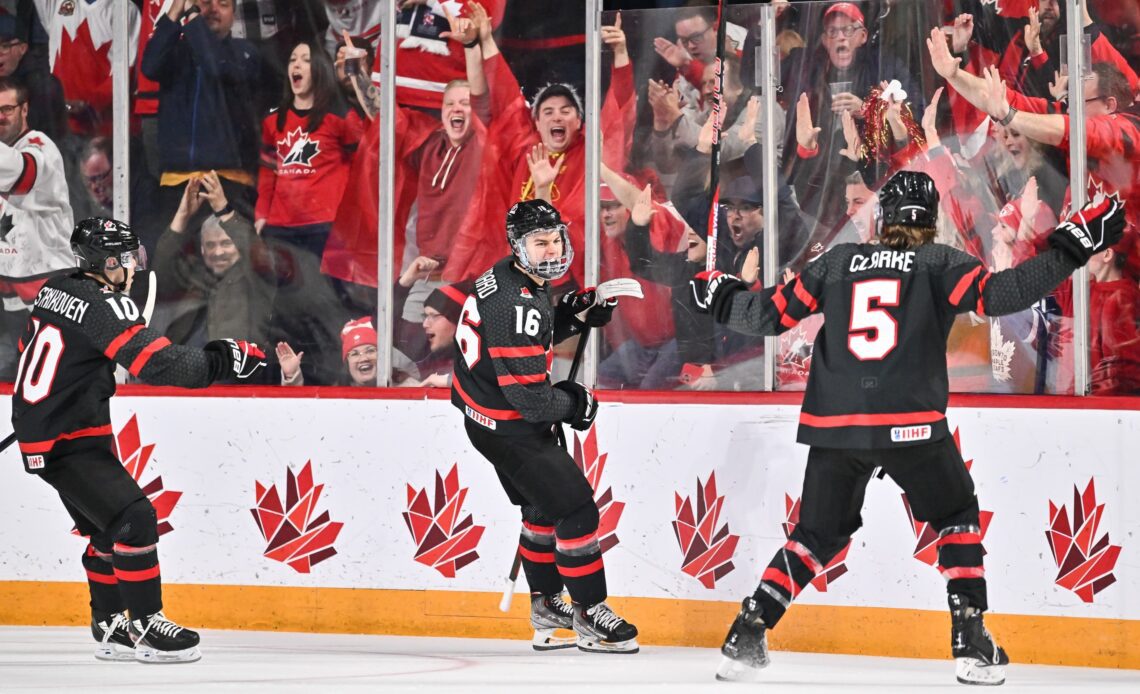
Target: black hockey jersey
x,y
878,373
504,337
75,335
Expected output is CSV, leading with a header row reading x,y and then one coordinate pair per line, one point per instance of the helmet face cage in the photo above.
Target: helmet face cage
x,y
546,269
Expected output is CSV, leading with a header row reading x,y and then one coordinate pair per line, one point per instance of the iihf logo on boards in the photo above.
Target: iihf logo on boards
x,y
445,540
592,465
292,534
707,549
135,457
299,149
1084,561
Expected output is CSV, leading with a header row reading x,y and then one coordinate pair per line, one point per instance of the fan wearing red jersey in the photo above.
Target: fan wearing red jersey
x,y
876,397
80,327
505,335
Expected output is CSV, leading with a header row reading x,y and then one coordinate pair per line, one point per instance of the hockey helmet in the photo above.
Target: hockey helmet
x,y
102,244
910,199
531,217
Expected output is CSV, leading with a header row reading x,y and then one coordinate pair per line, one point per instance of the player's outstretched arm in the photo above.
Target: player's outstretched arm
x,y
770,311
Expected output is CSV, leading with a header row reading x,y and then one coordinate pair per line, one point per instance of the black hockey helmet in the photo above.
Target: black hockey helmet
x,y
102,244
532,216
910,199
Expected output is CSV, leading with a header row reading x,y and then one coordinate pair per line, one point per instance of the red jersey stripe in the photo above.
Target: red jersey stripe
x,y
579,571
45,446
515,352
27,179
963,285
123,338
513,380
485,411
135,576
145,355
870,420
981,295
804,295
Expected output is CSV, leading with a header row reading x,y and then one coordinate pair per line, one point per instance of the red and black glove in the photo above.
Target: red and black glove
x,y
586,405
599,313
243,358
1099,225
713,291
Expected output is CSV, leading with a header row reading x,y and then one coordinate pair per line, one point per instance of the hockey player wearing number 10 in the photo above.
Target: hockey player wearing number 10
x,y
505,334
81,325
876,398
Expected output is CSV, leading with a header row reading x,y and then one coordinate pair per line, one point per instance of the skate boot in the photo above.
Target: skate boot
x,y
979,660
602,631
113,634
159,640
549,613
745,648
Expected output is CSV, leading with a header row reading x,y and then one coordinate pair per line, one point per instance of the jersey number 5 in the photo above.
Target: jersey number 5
x,y
873,332
39,362
465,335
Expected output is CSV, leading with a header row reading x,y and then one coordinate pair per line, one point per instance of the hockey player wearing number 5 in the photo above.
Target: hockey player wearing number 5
x,y
81,326
876,398
505,334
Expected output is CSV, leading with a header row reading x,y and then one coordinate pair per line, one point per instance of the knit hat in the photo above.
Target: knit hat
x,y
448,300
356,333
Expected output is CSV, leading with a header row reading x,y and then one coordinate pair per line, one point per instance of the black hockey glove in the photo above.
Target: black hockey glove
x,y
1097,226
573,303
244,358
713,291
586,405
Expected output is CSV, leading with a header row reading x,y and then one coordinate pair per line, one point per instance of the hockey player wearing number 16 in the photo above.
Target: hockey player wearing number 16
x,y
505,334
81,326
876,398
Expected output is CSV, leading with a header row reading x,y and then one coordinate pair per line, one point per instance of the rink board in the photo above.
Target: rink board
x,y
354,567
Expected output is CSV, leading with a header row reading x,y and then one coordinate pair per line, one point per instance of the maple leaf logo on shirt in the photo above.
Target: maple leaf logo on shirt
x,y
299,149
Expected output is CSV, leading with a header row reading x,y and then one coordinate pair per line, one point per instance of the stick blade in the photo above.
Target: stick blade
x,y
622,286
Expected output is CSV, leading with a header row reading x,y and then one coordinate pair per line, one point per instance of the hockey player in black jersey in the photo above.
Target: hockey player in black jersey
x,y
505,335
80,327
876,398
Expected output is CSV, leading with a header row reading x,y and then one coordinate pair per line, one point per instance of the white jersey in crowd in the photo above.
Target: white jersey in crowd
x,y
35,213
65,20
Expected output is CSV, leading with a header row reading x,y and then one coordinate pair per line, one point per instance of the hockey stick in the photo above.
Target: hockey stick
x,y
605,291
716,115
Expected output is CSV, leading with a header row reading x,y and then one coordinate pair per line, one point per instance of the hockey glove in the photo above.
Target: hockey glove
x,y
586,405
244,358
1097,226
599,312
713,291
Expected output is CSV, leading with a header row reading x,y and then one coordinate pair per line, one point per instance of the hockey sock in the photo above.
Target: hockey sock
x,y
960,562
790,570
135,558
579,556
101,581
536,548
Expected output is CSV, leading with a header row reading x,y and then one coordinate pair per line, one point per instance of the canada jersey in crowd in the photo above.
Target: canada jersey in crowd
x,y
504,339
76,333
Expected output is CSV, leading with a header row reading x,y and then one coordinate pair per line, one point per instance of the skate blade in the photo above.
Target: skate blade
x,y
974,671
735,671
114,652
549,640
598,646
156,657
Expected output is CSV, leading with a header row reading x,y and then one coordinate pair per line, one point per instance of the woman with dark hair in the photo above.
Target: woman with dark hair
x,y
307,145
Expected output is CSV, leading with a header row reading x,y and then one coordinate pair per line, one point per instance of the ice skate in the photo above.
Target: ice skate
x,y
113,634
745,648
548,614
979,660
600,630
159,640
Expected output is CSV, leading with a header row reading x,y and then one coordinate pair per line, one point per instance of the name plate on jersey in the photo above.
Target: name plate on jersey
x,y
914,433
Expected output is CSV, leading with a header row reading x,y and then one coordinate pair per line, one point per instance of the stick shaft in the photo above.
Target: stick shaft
x,y
714,173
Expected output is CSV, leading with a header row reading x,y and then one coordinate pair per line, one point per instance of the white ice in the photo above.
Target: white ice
x,y
50,659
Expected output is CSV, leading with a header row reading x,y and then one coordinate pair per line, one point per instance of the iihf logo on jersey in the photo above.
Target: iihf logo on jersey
x,y
299,149
835,568
592,465
292,535
443,540
1084,562
707,550
134,456
926,549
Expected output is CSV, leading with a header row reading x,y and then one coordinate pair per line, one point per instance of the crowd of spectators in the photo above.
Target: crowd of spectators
x,y
255,131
